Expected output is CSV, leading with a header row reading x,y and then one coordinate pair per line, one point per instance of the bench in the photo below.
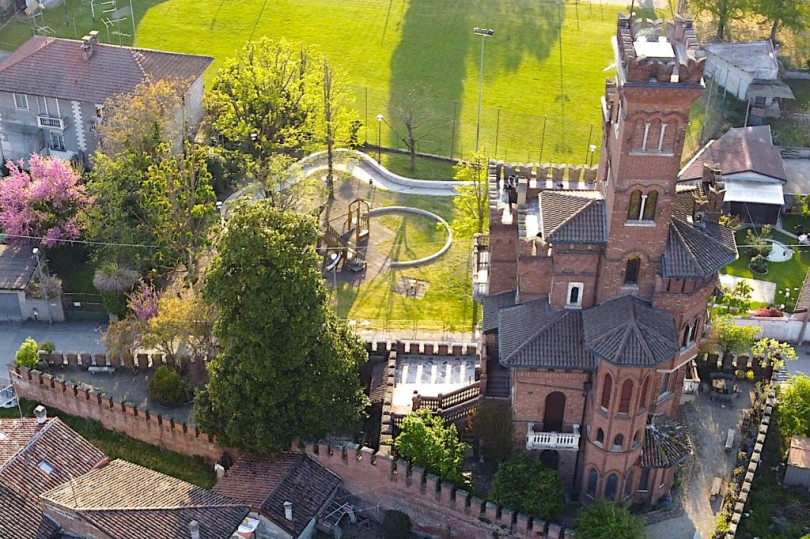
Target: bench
x,y
729,439
95,369
716,484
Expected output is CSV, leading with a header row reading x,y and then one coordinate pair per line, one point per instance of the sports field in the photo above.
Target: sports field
x,y
543,68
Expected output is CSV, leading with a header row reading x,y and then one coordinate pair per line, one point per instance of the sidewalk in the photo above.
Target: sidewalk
x,y
67,336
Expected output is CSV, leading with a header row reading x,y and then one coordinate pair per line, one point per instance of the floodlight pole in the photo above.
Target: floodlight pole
x,y
484,33
35,252
131,14
379,138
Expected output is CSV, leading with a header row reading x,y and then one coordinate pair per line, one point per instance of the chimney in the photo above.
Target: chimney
x,y
288,511
41,414
219,469
93,36
87,47
194,529
715,189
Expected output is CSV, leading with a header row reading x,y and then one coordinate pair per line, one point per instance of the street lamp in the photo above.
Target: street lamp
x,y
379,138
484,33
592,148
35,252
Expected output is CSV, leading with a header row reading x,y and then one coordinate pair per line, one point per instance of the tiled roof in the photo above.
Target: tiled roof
x,y
696,252
751,57
378,383
56,67
492,305
129,501
17,266
55,446
15,435
738,151
21,519
576,216
266,482
628,331
666,443
557,345
516,324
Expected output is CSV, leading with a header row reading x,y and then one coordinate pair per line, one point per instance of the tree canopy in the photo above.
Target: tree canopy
x,y
471,204
525,485
734,338
428,442
46,202
606,520
287,367
722,12
794,406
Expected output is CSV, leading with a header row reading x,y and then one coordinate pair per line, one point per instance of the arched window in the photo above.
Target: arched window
x,y
610,486
636,439
648,213
693,330
685,339
634,209
574,296
627,393
600,437
642,397
618,442
628,485
643,484
631,270
593,479
606,389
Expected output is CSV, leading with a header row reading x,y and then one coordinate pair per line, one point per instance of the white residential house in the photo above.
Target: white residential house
x,y
52,92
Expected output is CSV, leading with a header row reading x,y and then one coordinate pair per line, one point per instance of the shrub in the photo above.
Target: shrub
x,y
115,304
525,485
605,520
759,264
47,346
28,354
771,312
396,525
167,387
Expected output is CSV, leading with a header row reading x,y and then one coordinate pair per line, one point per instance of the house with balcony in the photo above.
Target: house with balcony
x,y
594,295
53,91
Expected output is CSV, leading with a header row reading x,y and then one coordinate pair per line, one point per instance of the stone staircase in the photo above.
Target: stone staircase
x,y
497,380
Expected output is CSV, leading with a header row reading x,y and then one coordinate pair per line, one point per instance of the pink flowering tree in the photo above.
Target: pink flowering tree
x,y
144,302
46,202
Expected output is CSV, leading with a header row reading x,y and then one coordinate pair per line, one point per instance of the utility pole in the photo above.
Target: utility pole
x,y
484,33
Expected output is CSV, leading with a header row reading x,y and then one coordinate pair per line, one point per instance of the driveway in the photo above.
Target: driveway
x,y
708,424
67,336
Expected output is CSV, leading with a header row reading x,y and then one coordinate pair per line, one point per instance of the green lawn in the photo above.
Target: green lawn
x,y
787,275
387,48
426,168
195,470
448,301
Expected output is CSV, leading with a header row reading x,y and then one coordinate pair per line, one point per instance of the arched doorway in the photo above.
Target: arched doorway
x,y
550,459
554,412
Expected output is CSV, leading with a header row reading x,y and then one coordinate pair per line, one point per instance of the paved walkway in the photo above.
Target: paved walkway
x,y
67,336
708,423
764,291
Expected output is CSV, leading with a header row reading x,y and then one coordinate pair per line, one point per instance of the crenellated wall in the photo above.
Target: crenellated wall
x,y
436,507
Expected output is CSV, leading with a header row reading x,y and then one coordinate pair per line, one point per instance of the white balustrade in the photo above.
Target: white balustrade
x,y
552,440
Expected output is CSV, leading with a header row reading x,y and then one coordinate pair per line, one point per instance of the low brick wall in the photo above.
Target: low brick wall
x,y
136,422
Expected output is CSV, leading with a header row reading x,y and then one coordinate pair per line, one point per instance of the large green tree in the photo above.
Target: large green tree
x,y
722,12
428,442
606,520
525,485
794,406
791,14
471,204
287,367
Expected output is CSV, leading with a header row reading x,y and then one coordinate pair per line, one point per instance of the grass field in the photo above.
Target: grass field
x,y
388,48
426,167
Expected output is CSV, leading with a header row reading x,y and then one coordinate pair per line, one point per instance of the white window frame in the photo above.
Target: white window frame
x,y
24,98
578,304
51,144
646,135
661,137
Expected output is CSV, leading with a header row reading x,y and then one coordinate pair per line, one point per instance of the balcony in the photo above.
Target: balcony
x,y
553,440
50,122
481,266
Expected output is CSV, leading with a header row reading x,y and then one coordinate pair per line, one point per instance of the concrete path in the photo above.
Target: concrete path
x,y
764,291
708,424
67,336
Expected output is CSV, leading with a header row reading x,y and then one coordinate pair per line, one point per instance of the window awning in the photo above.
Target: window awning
x,y
754,192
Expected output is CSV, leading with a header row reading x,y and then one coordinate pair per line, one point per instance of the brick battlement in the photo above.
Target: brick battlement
x,y
436,507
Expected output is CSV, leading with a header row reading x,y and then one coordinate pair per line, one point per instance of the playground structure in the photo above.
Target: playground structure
x,y
346,249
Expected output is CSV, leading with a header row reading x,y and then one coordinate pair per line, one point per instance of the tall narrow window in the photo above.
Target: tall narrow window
x,y
661,137
693,330
631,270
637,439
610,486
21,101
633,210
627,393
644,482
642,397
664,389
685,339
628,485
648,211
618,117
57,142
618,442
593,479
607,387
574,297
646,134
600,437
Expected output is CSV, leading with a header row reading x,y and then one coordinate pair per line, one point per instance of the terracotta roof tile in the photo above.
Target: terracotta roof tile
x,y
266,482
666,443
54,447
21,519
56,67
576,216
739,150
130,501
628,331
17,266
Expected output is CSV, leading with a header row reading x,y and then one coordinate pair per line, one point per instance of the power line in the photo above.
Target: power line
x,y
85,242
